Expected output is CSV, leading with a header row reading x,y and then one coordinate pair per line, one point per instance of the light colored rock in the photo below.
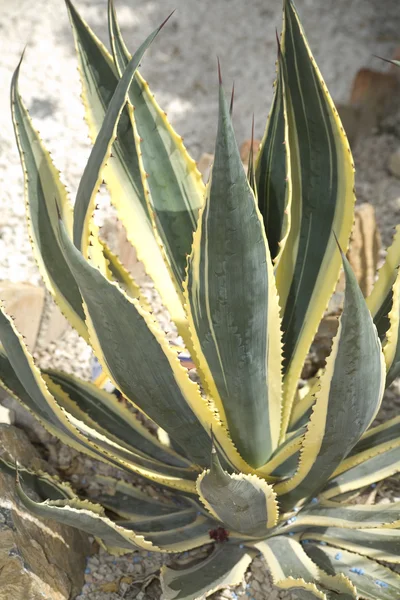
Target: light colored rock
x,y
6,415
204,165
56,326
25,303
39,559
394,163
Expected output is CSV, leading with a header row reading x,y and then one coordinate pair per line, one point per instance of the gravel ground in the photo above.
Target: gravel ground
x,y
181,69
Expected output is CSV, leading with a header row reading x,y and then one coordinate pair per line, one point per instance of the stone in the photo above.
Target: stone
x,y
24,302
56,325
394,163
39,559
114,233
204,165
6,415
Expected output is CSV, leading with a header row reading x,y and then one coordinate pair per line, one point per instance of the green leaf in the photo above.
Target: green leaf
x,y
376,581
92,175
122,175
380,544
378,466
352,516
88,517
226,565
351,392
233,306
44,485
45,194
138,358
114,418
243,503
322,175
131,503
176,190
274,188
290,567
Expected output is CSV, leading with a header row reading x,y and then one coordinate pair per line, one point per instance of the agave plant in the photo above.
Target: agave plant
x,y
246,267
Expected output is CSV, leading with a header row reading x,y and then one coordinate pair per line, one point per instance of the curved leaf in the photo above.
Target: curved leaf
x,y
45,194
350,395
225,565
322,175
371,579
176,190
243,503
88,517
352,516
380,544
122,175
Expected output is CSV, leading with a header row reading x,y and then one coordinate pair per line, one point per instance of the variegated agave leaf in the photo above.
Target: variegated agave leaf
x,y
246,462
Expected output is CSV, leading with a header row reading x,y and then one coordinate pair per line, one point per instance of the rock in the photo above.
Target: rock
x,y
114,233
204,165
364,248
24,302
39,559
56,325
6,415
394,163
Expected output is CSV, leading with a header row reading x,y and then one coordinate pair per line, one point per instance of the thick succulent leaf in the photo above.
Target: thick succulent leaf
x,y
88,517
92,174
226,565
163,523
147,371
378,466
45,194
322,176
114,418
377,437
20,374
44,485
350,395
233,306
391,346
122,175
176,190
285,458
109,443
379,301
290,567
371,580
244,503
131,503
351,516
337,587
186,537
272,173
380,544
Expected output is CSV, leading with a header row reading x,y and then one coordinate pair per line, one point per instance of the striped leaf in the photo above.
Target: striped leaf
x,y
225,565
379,544
23,378
380,465
232,304
322,176
44,485
350,395
122,175
352,516
273,176
174,185
88,517
243,503
127,337
113,417
92,174
290,567
391,346
45,194
131,503
379,301
372,581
